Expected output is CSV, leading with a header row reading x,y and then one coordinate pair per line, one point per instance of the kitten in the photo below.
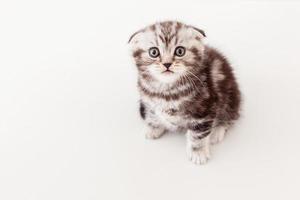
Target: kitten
x,y
184,86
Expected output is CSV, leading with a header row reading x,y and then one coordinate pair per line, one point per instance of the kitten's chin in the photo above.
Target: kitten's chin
x,y
167,77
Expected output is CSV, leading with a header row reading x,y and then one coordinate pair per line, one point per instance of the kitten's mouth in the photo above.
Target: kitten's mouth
x,y
167,72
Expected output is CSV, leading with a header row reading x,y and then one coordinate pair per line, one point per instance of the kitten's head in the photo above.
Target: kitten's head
x,y
167,51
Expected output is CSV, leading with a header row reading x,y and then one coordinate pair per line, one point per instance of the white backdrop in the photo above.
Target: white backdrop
x,y
69,123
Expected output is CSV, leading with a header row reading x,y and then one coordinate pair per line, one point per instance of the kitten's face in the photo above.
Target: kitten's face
x,y
167,51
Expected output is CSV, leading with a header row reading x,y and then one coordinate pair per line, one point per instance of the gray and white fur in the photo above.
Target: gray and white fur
x,y
184,85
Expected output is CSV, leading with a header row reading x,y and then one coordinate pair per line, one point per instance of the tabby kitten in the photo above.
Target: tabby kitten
x,y
184,86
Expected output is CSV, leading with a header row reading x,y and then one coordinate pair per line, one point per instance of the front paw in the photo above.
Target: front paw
x,y
154,133
198,156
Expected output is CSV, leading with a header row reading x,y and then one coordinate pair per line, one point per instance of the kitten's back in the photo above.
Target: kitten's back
x,y
224,85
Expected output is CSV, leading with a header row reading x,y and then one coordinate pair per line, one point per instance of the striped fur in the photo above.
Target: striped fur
x,y
197,93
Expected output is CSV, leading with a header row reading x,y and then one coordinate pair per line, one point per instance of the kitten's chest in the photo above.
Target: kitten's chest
x,y
168,113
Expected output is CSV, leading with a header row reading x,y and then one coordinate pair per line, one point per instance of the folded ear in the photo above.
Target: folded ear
x,y
199,31
133,35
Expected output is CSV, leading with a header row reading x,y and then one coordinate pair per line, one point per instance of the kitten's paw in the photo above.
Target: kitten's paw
x,y
154,133
218,134
198,156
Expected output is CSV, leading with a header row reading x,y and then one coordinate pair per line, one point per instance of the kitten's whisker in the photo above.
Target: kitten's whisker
x,y
193,83
194,86
197,78
184,80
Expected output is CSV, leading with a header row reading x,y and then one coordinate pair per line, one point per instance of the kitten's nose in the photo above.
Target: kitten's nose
x,y
167,65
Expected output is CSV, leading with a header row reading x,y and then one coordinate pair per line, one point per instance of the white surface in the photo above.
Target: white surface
x,y
69,126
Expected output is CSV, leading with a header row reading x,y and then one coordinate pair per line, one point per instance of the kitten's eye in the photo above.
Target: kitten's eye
x,y
153,52
179,51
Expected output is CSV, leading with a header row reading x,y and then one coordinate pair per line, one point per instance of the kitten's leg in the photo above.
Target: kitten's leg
x,y
218,134
198,142
154,130
154,133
